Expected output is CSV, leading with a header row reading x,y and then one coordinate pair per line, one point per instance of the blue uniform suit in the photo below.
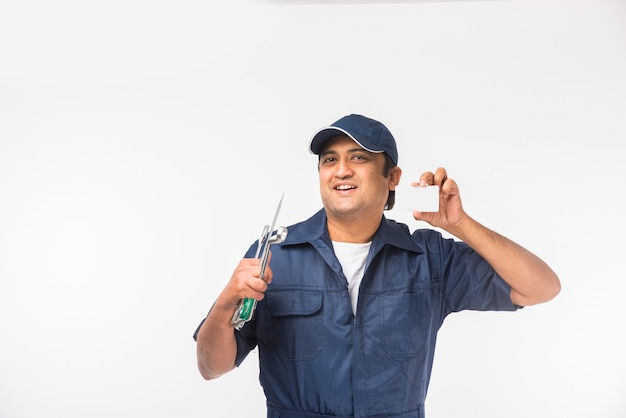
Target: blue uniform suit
x,y
319,360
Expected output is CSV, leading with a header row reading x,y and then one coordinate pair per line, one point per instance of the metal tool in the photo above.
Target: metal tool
x,y
246,306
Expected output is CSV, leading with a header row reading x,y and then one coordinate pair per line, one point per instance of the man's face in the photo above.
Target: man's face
x,y
352,181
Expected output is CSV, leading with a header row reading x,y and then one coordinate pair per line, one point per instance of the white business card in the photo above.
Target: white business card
x,y
421,198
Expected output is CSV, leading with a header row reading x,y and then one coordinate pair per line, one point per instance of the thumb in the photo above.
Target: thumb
x,y
423,216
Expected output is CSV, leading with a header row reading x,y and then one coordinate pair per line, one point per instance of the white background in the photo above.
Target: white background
x,y
144,144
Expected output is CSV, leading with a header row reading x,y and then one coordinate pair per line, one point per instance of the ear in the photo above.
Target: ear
x,y
394,177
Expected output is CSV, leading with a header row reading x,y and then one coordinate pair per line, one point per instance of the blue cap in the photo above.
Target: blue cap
x,y
368,133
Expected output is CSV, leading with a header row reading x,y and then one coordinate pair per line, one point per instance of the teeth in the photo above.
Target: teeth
x,y
344,187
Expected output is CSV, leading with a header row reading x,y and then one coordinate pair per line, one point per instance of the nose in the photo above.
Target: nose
x,y
343,169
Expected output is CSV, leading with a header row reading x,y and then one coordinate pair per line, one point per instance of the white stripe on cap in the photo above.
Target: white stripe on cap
x,y
334,128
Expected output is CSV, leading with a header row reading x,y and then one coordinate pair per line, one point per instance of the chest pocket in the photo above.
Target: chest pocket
x,y
406,322
297,319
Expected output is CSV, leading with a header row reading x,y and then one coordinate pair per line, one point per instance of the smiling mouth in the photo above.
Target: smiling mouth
x,y
345,187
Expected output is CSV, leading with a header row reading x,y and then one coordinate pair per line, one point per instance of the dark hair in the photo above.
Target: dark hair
x,y
391,198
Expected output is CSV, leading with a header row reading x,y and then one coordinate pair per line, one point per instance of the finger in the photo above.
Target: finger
x,y
269,275
249,262
258,287
247,272
251,286
426,178
449,188
420,183
429,217
440,176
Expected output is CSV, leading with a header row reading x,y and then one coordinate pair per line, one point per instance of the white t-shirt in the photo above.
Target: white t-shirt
x,y
352,257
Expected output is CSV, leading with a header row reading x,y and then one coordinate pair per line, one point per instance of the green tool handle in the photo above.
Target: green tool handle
x,y
247,308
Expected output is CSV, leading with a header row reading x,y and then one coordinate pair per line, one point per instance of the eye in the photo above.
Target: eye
x,y
359,157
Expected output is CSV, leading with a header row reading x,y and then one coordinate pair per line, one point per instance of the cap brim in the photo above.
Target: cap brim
x,y
323,135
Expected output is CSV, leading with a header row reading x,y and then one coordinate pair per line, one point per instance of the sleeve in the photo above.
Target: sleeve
x,y
469,282
245,343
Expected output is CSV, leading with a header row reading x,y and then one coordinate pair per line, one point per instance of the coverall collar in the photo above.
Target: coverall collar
x,y
314,229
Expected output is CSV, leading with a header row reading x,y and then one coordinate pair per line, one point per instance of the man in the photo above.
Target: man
x,y
350,307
